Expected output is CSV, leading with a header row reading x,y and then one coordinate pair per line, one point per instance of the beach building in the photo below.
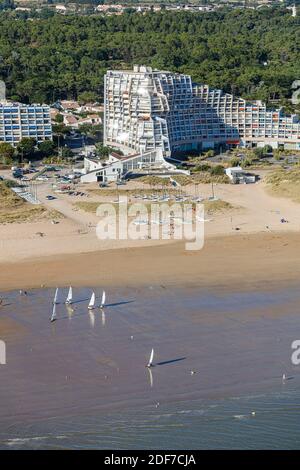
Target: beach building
x,y
165,112
237,175
117,167
21,120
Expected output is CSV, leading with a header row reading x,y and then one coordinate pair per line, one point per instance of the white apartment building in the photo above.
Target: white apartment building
x,y
20,120
150,110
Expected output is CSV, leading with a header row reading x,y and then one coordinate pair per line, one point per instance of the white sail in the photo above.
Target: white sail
x,y
92,301
151,358
103,299
70,296
55,296
53,316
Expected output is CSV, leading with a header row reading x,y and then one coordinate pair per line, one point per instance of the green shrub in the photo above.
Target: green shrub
x,y
217,170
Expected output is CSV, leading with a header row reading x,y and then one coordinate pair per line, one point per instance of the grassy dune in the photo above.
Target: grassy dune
x,y
217,206
155,180
203,177
90,207
210,206
9,199
14,209
113,193
284,183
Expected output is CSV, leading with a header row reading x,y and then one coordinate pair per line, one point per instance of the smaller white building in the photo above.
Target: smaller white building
x,y
102,171
118,166
237,175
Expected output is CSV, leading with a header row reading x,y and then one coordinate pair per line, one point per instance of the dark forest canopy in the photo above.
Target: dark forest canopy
x,y
255,54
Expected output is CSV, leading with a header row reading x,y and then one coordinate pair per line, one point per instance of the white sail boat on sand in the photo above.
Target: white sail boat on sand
x,y
70,296
92,302
103,299
53,316
55,297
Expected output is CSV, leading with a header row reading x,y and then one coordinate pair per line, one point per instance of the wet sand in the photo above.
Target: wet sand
x,y
86,364
250,261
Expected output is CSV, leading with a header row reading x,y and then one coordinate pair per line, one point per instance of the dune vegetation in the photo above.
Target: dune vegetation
x,y
284,183
14,209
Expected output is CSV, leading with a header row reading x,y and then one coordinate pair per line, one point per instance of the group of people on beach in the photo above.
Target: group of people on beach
x,y
21,292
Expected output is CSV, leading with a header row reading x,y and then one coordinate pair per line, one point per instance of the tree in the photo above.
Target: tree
x,y
59,132
46,148
6,152
268,149
259,152
103,151
277,155
60,129
66,152
91,130
210,153
234,161
79,49
59,118
26,147
202,167
217,170
247,162
6,5
87,97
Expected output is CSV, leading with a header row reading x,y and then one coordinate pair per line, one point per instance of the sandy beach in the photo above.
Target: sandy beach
x,y
252,261
262,249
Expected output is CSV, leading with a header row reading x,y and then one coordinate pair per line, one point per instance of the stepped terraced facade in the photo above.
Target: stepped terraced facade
x,y
147,110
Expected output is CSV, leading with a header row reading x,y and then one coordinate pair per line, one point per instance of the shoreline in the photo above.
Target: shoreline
x,y
238,261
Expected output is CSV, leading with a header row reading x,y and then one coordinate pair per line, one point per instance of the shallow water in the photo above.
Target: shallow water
x,y
81,382
222,424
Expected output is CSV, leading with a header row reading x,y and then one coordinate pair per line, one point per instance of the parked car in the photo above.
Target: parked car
x,y
51,168
50,198
42,178
17,174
